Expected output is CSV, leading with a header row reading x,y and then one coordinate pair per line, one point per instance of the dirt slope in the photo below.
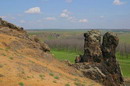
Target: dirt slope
x,y
26,62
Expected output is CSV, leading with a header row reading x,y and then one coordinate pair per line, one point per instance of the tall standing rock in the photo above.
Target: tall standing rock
x,y
92,47
110,42
99,61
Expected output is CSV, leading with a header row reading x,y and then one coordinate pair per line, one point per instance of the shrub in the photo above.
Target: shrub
x,y
51,74
4,54
21,84
56,77
41,76
11,58
67,84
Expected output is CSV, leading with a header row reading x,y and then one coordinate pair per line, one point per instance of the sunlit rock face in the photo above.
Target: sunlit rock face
x,y
99,61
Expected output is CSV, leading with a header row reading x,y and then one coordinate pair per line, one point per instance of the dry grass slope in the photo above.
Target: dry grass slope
x,y
24,63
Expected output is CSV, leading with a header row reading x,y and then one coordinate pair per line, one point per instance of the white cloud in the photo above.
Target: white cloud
x,y
118,2
65,13
34,10
83,20
68,1
51,18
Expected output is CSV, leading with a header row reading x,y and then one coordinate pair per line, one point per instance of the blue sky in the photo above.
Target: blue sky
x,y
67,14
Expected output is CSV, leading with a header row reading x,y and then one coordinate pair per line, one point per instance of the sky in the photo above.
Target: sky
x,y
67,14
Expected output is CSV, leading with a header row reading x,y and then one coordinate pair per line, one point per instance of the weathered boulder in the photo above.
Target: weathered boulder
x,y
99,61
44,47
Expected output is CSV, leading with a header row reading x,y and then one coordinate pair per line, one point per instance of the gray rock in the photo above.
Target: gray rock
x,y
99,61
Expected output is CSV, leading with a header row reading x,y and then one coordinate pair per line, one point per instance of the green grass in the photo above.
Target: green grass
x,y
125,38
65,55
124,64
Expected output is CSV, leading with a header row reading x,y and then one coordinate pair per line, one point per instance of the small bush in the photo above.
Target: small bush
x,y
54,81
67,84
56,77
79,84
51,74
28,77
3,54
11,58
21,84
41,76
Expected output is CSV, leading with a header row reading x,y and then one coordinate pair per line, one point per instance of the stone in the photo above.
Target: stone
x,y
44,47
92,47
99,61
78,59
110,42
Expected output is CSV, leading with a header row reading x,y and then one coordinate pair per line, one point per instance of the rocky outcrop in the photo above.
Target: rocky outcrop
x,y
11,26
99,61
13,30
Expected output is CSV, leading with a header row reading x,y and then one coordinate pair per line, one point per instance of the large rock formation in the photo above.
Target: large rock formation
x,y
99,61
